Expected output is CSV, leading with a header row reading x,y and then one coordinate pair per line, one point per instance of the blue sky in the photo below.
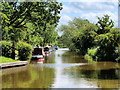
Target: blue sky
x,y
88,9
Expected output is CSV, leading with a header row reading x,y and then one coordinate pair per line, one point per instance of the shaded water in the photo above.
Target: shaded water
x,y
62,69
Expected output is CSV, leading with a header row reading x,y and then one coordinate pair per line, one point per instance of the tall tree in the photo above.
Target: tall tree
x,y
108,39
15,16
104,24
72,29
78,35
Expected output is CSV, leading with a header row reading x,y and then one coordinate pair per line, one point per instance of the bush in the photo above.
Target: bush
x,y
91,54
6,47
88,57
117,51
92,51
24,51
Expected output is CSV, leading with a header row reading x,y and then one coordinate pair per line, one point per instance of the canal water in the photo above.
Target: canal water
x,y
63,69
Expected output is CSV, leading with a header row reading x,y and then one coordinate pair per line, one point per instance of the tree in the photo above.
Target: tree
x,y
15,16
107,45
104,24
85,39
13,22
107,39
78,35
71,30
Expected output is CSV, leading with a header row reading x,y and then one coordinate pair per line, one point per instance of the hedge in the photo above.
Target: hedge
x,y
24,51
6,47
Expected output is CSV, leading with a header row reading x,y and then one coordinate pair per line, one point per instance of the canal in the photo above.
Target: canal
x,y
63,69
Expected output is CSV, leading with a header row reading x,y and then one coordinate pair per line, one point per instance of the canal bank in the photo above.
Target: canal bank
x,y
61,71
13,64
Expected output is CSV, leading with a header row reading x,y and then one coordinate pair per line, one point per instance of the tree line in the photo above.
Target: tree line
x,y
32,22
100,41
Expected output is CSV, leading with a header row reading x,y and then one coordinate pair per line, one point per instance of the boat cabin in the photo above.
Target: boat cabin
x,y
38,53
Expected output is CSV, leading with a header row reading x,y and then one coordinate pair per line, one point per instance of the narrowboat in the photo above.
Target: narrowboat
x,y
47,50
38,53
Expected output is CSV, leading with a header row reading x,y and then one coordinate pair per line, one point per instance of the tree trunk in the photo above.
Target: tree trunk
x,y
13,50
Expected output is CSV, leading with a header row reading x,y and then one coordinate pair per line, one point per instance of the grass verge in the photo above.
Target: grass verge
x,y
7,60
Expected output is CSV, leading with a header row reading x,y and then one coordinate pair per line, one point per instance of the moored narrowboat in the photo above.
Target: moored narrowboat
x,y
38,53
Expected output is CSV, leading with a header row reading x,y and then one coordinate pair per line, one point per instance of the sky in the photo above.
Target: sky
x,y
88,9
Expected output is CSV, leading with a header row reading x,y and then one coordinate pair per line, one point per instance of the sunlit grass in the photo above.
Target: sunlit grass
x,y
7,60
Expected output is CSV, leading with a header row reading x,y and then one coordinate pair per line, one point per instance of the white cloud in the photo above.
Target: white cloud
x,y
92,16
89,10
71,9
113,16
64,19
66,9
79,7
88,0
93,5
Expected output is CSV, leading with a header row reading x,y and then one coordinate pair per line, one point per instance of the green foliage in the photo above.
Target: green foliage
x,y
30,18
60,44
88,57
50,36
6,47
24,51
108,43
104,24
80,35
92,51
85,39
33,22
72,47
117,51
107,39
16,52
71,32
91,54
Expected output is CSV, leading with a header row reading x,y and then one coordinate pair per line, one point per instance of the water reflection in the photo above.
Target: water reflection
x,y
101,78
94,74
32,77
71,57
50,58
62,69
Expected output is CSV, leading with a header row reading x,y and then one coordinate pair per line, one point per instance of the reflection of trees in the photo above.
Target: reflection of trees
x,y
100,74
118,73
31,78
94,74
72,57
104,78
50,58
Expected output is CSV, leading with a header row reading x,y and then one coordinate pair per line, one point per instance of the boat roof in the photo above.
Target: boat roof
x,y
47,46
